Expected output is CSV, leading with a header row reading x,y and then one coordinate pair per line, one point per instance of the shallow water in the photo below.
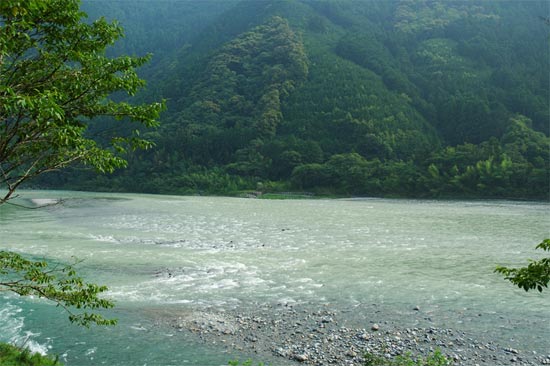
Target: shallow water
x,y
160,253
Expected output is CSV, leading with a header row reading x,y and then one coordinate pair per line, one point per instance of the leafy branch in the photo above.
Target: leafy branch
x,y
536,275
57,283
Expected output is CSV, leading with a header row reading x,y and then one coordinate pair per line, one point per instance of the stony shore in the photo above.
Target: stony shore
x,y
322,336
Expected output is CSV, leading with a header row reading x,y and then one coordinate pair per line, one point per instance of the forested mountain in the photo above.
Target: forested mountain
x,y
409,98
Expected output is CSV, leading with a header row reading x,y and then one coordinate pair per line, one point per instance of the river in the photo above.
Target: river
x,y
166,254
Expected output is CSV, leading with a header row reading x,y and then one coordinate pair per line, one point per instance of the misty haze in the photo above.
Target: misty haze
x,y
316,182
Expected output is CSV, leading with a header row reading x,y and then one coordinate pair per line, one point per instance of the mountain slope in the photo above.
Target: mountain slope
x,y
423,98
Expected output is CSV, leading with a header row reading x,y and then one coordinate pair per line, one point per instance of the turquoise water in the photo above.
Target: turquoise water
x,y
165,256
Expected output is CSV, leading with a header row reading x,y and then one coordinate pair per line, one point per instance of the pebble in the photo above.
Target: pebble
x,y
301,357
295,333
351,353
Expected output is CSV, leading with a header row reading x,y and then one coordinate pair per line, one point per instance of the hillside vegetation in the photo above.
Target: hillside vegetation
x,y
385,98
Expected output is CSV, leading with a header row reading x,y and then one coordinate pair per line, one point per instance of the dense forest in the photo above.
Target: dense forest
x,y
421,98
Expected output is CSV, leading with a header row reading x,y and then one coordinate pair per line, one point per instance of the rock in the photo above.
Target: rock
x,y
417,308
351,353
321,337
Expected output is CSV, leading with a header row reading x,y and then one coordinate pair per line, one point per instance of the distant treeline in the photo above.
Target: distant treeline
x,y
391,98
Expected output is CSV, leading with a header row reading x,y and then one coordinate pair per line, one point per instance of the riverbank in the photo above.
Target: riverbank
x,y
11,355
323,336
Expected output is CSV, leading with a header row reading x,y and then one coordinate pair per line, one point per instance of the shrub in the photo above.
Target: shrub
x,y
437,358
14,356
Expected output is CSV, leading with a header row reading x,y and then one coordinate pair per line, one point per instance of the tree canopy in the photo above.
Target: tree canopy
x,y
424,99
56,79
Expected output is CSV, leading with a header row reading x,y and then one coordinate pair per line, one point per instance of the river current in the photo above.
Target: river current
x,y
166,254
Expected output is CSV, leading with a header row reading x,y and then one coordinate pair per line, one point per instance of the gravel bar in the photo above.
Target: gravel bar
x,y
312,335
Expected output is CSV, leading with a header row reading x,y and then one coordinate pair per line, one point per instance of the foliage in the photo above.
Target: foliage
x,y
436,358
245,363
57,283
54,77
423,99
13,356
236,103
536,275
433,359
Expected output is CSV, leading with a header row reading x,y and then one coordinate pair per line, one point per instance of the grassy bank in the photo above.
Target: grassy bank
x,y
14,356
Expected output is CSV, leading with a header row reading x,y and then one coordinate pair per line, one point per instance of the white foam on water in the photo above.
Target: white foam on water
x,y
138,327
44,201
286,301
104,238
11,330
223,284
137,294
201,283
90,351
180,302
12,323
303,280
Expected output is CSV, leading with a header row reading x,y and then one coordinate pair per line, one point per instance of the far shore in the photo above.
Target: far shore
x,y
298,195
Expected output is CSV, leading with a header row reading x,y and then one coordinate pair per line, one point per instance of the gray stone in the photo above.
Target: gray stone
x,y
351,353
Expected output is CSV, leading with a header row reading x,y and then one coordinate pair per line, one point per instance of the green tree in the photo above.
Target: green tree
x,y
536,275
55,78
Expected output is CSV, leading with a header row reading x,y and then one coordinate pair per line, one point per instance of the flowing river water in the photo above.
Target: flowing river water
x,y
162,255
